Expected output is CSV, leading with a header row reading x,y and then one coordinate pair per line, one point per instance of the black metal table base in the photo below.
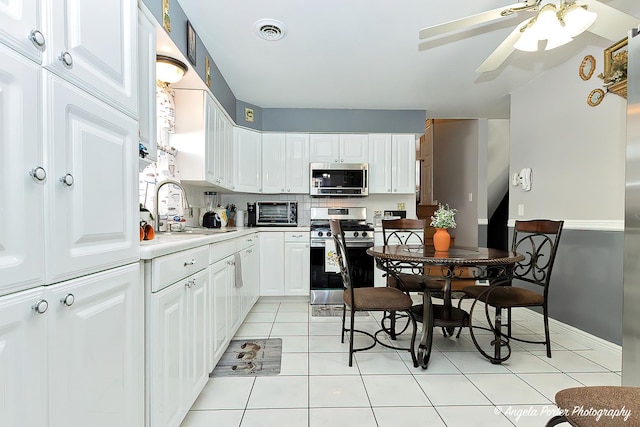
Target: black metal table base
x,y
437,315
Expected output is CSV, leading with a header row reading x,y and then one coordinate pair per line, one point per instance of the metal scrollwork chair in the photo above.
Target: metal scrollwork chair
x,y
598,406
408,279
538,241
368,299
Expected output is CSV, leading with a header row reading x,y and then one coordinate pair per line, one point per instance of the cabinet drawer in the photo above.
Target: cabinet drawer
x,y
296,236
170,268
218,251
245,241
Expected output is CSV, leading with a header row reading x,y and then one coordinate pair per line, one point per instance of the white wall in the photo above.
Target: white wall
x,y
576,152
497,163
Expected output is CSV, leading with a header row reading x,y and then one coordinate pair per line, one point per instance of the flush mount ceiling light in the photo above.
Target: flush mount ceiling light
x,y
270,29
558,25
169,70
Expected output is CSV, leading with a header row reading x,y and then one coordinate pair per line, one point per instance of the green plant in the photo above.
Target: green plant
x,y
444,217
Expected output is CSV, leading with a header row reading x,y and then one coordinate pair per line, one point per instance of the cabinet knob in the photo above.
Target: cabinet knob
x,y
68,300
336,161
288,190
67,180
41,306
282,190
37,39
66,59
38,173
188,263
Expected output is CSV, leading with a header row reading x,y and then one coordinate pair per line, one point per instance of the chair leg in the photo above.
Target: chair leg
x,y
558,419
344,314
353,312
546,331
392,331
498,329
412,348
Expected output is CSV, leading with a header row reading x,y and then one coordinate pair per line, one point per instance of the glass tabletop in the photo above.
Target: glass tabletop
x,y
455,255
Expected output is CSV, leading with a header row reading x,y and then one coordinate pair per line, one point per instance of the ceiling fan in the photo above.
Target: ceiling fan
x,y
555,21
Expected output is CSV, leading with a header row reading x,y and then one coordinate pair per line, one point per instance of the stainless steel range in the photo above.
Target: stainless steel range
x,y
326,282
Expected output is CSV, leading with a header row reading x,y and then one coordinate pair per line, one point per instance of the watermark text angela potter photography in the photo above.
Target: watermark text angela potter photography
x,y
551,411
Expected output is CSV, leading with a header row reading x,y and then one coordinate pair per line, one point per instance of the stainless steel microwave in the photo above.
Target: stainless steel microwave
x,y
276,213
339,179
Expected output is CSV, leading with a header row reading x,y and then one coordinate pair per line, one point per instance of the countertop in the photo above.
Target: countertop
x,y
167,243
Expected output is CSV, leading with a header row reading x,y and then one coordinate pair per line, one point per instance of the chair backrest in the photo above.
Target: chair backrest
x,y
403,231
538,241
341,252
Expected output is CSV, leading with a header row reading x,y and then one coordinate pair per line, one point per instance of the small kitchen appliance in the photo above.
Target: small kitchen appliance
x,y
251,214
210,219
277,214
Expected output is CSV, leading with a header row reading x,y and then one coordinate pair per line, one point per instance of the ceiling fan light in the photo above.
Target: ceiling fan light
x,y
527,42
557,40
577,19
169,70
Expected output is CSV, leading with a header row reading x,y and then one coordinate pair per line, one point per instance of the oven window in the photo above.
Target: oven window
x,y
362,269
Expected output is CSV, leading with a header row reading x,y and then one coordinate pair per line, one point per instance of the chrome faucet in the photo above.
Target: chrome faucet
x,y
185,202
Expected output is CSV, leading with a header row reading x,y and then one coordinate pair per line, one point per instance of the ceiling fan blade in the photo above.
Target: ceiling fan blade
x,y
466,22
611,23
502,52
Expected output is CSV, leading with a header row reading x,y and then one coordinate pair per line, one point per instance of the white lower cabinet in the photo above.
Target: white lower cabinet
x,y
284,263
219,293
178,346
72,354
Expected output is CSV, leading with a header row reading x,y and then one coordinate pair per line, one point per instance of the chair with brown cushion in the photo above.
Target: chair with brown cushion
x,y
368,298
538,241
408,279
598,406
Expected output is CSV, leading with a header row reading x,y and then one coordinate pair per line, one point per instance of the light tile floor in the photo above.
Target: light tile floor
x,y
316,387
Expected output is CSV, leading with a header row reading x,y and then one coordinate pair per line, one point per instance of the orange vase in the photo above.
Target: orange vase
x,y
441,240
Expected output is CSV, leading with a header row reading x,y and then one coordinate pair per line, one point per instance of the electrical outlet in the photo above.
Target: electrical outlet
x,y
400,206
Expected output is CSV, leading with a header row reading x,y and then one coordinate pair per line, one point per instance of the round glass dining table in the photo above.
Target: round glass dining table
x,y
468,263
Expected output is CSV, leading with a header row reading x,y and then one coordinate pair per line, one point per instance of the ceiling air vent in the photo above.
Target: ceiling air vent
x,y
270,29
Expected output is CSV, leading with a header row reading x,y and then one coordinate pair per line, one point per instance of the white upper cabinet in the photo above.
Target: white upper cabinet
x,y
147,83
203,138
91,192
334,148
403,166
93,44
285,163
247,161
25,174
20,27
392,164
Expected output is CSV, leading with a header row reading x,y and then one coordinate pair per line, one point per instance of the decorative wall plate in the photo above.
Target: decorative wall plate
x,y
587,67
595,97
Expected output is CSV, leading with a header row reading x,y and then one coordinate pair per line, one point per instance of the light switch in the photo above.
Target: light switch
x,y
471,197
400,206
520,210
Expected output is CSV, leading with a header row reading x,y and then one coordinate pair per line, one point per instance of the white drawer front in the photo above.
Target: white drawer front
x,y
218,251
296,236
245,241
170,268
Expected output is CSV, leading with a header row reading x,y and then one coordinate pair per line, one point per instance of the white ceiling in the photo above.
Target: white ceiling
x,y
366,54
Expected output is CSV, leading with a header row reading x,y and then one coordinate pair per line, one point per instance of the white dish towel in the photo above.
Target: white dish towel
x,y
238,261
331,264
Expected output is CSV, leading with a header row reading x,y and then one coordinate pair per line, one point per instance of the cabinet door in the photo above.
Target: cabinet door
x,y
271,263
93,44
96,350
92,182
250,277
147,83
167,356
19,19
297,270
379,163
198,335
235,298
22,225
23,360
218,311
354,148
247,161
324,148
214,142
274,153
403,170
297,163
